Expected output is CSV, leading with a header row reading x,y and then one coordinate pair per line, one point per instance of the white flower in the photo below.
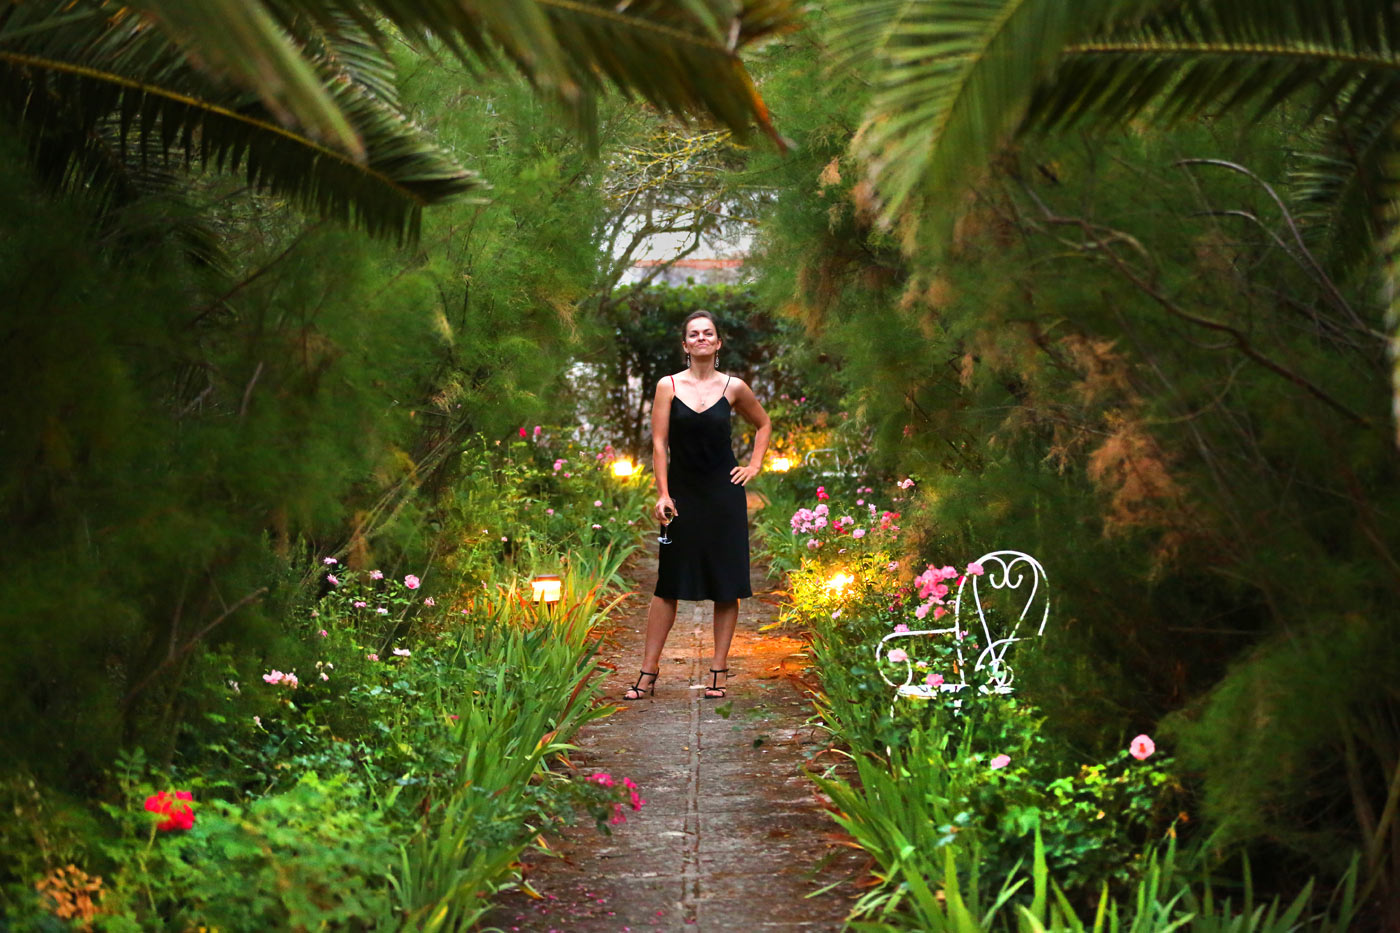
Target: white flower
x,y
402,652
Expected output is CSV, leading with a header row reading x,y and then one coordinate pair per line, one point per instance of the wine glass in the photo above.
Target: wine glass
x,y
669,514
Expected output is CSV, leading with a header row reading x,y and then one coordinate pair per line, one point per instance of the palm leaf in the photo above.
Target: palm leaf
x,y
952,79
680,56
242,42
1216,55
1342,185
65,82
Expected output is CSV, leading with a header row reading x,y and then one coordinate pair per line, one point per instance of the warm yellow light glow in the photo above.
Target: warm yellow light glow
x,y
623,467
780,465
547,588
838,582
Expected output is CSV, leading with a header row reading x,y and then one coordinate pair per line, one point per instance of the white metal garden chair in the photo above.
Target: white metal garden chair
x,y
1022,578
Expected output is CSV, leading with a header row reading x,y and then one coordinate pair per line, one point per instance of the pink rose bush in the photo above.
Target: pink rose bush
x,y
175,810
1142,747
617,796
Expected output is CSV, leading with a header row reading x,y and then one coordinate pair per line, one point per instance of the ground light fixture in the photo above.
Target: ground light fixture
x,y
623,467
780,464
838,583
547,588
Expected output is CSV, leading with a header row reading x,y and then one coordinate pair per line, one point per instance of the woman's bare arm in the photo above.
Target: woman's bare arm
x,y
747,405
660,440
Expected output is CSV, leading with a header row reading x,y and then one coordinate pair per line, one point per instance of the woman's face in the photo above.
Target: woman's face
x,y
700,337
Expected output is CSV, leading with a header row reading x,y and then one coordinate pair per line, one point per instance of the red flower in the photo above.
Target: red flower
x,y
177,815
523,432
821,493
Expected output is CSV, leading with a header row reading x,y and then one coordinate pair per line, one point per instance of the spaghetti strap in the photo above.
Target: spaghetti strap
x,y
726,384
673,384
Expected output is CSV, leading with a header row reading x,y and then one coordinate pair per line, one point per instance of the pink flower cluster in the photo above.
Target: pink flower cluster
x,y
933,590
276,677
604,779
807,521
176,809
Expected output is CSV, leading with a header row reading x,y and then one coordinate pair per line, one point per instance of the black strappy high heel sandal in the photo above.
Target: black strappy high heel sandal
x,y
638,689
714,691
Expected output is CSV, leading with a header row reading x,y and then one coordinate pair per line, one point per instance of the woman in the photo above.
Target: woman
x,y
701,501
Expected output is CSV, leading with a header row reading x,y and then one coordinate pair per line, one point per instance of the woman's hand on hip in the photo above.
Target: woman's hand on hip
x,y
663,505
741,475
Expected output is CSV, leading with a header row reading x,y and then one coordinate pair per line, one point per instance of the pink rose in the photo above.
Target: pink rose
x,y
1141,747
329,561
821,493
1000,761
323,633
376,575
858,533
430,601
975,569
330,578
411,582
371,657
898,656
936,680
538,430
901,627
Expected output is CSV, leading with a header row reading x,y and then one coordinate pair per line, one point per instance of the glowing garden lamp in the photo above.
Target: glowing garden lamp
x,y
623,467
780,464
838,583
547,588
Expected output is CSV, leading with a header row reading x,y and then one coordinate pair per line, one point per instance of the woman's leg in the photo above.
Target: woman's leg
x,y
726,618
660,617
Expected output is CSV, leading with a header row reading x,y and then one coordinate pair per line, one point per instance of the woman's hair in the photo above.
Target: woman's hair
x,y
685,325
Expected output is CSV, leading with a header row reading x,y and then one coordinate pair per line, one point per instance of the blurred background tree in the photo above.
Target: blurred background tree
x,y
231,338
1154,355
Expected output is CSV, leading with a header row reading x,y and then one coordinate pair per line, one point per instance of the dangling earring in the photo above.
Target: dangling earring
x,y
716,359
687,359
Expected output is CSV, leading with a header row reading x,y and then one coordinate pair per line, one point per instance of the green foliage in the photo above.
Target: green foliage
x,y
1123,362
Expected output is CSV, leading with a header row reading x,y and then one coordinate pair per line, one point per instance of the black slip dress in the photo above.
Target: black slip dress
x,y
708,557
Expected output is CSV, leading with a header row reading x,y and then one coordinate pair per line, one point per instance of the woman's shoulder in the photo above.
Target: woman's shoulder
x,y
734,383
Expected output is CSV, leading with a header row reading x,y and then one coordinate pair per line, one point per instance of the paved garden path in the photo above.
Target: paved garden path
x,y
732,837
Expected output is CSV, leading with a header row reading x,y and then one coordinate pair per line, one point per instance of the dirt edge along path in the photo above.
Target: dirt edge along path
x,y
733,837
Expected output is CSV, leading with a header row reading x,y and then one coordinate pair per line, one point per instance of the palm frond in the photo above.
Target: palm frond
x,y
64,84
952,78
242,42
680,56
1341,185
1216,55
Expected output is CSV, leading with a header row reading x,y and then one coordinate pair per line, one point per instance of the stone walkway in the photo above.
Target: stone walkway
x,y
733,837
